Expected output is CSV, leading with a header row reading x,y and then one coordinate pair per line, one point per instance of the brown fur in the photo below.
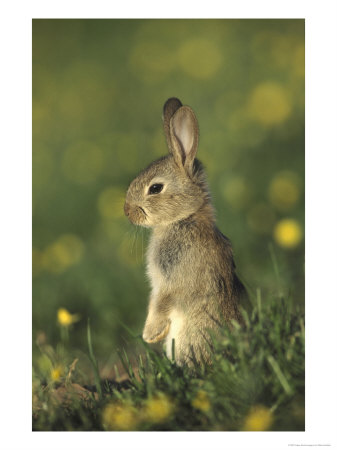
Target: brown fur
x,y
189,261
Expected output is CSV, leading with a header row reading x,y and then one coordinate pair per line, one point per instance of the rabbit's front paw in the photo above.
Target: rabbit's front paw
x,y
156,331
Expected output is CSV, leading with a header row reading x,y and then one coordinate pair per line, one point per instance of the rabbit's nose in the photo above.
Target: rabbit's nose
x,y
127,209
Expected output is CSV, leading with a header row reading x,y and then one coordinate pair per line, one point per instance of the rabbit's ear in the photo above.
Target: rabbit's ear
x,y
170,107
184,132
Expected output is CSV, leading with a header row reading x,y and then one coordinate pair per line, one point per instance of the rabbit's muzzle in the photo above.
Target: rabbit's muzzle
x,y
127,209
135,214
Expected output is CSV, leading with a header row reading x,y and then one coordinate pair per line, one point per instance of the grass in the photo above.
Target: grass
x,y
91,80
256,382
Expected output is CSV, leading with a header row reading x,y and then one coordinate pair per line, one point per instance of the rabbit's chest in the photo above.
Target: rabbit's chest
x,y
155,275
165,256
169,256
154,272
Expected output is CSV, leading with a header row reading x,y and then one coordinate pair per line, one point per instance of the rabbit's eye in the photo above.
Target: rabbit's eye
x,y
155,188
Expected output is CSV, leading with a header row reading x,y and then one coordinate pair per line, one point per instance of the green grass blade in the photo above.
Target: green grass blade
x,y
280,375
173,351
276,268
259,302
94,362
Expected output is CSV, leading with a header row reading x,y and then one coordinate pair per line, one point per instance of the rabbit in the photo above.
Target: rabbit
x,y
194,287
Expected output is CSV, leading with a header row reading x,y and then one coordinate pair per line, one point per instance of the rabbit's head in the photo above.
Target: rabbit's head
x,y
173,187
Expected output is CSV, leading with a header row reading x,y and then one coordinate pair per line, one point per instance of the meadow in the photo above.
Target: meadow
x,y
98,91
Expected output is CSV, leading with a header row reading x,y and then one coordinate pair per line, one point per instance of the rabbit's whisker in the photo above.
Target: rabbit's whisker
x,y
134,241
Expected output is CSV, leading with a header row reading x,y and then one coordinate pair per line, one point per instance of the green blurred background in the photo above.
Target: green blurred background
x,y
98,91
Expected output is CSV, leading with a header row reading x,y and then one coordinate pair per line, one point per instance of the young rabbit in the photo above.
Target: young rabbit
x,y
189,261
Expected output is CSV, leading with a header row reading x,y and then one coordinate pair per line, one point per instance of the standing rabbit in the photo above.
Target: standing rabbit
x,y
189,261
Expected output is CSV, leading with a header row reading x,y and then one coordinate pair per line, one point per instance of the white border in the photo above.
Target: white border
x,y
321,224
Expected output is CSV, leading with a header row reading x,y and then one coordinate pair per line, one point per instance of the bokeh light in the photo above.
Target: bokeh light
x,y
111,202
236,192
288,233
152,61
284,190
66,251
199,58
269,103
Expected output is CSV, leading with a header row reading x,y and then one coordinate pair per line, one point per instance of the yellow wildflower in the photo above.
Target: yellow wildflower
x,y
56,373
158,408
201,401
259,418
66,319
120,417
288,233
